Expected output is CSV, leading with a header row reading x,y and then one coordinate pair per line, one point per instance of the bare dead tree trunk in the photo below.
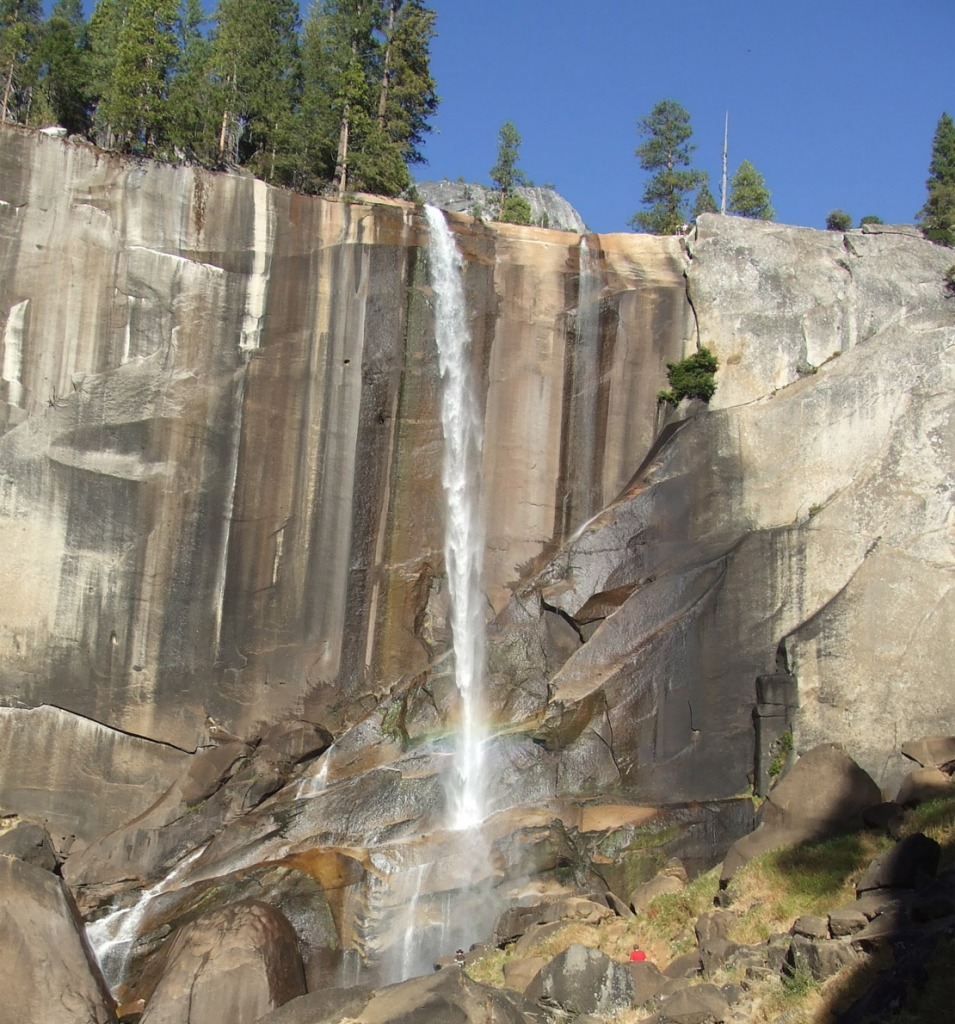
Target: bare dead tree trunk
x,y
341,159
7,89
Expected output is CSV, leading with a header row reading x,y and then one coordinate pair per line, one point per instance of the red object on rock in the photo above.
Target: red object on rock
x,y
639,955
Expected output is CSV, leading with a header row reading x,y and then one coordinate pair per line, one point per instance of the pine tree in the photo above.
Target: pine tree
x,y
192,113
407,95
255,66
339,95
937,216
19,34
667,152
505,174
368,92
103,29
704,202
63,60
749,196
134,96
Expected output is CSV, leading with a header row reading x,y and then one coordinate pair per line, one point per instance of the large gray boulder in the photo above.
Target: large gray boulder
x,y
824,793
548,209
694,1004
583,980
49,973
235,964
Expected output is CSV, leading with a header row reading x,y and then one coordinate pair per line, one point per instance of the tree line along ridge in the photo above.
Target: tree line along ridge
x,y
340,103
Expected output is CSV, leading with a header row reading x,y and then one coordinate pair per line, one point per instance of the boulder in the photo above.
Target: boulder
x,y
448,997
846,920
694,1004
521,971
924,784
909,863
932,752
688,965
328,1004
714,925
714,953
30,842
823,957
648,981
576,908
887,817
514,921
583,980
48,971
235,964
810,926
645,894
535,935
824,793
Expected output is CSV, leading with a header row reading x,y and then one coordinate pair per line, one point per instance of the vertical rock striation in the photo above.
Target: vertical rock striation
x,y
220,472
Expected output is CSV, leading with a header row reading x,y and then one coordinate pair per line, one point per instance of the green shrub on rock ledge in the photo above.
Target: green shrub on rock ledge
x,y
693,377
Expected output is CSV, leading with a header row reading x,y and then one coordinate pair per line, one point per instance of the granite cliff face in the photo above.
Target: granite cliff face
x,y
221,466
220,509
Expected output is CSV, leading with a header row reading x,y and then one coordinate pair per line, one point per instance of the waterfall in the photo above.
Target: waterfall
x,y
112,937
583,497
462,423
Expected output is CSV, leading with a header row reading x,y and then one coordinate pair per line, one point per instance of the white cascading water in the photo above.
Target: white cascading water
x,y
583,497
112,937
464,530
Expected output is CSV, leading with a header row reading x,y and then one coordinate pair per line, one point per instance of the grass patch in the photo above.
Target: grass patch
x,y
809,878
936,818
672,915
489,970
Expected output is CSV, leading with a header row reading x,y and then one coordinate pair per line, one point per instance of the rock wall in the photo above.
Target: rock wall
x,y
220,487
801,524
220,472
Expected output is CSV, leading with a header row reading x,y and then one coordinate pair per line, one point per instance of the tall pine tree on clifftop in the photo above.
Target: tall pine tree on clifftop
x,y
255,67
507,176
193,130
666,152
63,91
133,99
368,92
937,216
19,33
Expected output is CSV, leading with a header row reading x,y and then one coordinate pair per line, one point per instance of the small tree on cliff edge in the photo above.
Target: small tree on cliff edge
x,y
666,152
506,175
749,196
937,216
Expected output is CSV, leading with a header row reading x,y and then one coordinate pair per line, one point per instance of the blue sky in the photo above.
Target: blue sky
x,y
834,101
